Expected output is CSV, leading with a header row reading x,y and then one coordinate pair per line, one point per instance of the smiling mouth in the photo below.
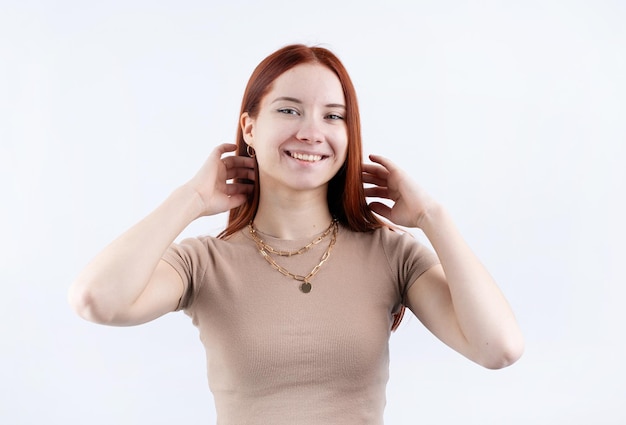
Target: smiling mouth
x,y
306,157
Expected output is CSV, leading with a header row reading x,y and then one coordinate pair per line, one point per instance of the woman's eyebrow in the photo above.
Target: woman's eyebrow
x,y
299,102
287,99
336,105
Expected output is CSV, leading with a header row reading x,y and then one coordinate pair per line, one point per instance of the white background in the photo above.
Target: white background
x,y
512,114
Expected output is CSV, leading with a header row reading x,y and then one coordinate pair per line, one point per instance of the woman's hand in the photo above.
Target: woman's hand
x,y
214,183
411,203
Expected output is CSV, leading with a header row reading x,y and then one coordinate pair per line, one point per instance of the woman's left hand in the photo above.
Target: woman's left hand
x,y
410,202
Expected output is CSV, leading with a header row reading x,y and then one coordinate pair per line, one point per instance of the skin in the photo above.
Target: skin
x,y
302,115
128,284
458,300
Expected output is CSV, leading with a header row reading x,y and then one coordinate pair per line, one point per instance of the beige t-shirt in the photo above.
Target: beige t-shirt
x,y
276,355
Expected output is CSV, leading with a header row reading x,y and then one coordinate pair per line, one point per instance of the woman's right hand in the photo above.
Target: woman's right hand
x,y
217,192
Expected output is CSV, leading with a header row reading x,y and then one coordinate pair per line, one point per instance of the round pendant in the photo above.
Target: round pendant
x,y
305,287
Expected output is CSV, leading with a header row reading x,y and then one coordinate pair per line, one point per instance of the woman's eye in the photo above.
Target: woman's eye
x,y
289,111
334,117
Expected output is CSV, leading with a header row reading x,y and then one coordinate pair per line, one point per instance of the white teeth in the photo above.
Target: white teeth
x,y
306,157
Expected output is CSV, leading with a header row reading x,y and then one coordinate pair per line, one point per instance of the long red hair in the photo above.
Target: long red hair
x,y
346,197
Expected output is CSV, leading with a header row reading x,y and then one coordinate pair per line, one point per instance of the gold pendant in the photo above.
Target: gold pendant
x,y
305,287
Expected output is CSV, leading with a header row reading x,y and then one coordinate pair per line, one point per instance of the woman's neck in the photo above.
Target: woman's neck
x,y
294,217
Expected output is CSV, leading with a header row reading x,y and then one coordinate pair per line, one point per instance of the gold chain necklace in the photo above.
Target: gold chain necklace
x,y
302,250
265,250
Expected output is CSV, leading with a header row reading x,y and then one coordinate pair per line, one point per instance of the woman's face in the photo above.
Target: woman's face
x,y
299,135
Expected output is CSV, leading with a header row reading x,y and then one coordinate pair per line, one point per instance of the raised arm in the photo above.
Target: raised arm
x,y
127,283
458,301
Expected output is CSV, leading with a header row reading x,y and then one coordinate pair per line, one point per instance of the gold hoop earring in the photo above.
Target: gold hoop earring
x,y
250,151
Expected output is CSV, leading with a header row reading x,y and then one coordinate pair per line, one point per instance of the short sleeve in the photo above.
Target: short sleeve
x,y
408,259
189,258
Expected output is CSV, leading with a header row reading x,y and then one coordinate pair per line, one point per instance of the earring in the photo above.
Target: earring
x,y
250,151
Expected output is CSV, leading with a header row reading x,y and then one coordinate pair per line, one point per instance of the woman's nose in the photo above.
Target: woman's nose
x,y
310,131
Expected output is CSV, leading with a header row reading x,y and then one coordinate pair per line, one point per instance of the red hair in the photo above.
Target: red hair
x,y
346,197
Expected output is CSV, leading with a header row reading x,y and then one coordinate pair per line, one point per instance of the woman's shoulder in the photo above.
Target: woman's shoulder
x,y
209,243
384,234
393,242
384,240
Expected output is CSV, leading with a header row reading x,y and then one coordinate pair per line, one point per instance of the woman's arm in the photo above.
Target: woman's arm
x,y
127,283
458,300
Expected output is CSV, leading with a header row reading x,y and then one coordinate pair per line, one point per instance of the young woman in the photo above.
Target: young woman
x,y
295,300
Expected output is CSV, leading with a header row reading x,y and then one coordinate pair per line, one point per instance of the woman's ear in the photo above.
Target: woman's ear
x,y
247,128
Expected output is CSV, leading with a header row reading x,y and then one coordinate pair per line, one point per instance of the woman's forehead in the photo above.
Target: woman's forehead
x,y
310,81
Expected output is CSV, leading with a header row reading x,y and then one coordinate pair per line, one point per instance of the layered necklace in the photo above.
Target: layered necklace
x,y
266,250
